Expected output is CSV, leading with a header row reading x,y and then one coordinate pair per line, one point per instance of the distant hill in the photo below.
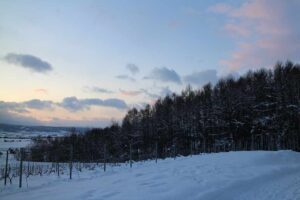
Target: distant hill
x,y
21,131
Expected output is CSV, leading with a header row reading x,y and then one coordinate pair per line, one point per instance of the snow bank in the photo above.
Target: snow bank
x,y
233,175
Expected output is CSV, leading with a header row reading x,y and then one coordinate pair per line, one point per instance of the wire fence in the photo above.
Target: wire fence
x,y
18,167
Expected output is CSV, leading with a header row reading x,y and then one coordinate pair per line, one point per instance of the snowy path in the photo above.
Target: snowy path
x,y
234,175
282,184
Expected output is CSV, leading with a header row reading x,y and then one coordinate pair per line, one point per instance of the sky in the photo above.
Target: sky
x,y
86,62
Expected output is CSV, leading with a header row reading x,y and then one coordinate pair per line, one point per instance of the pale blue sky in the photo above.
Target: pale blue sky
x,y
88,44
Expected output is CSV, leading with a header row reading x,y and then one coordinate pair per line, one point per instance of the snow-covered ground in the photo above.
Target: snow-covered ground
x,y
233,175
6,143
17,136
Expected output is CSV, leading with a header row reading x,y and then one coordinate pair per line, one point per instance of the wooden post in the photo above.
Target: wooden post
x,y
21,167
130,155
297,142
275,144
104,152
270,143
71,160
174,151
28,168
191,148
156,151
252,142
57,168
6,163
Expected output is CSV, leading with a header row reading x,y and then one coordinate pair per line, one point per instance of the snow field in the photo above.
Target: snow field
x,y
233,175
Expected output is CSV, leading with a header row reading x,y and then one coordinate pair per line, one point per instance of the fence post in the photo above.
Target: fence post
x,y
174,151
156,152
191,147
104,165
130,155
28,168
21,167
6,163
297,142
57,168
252,142
71,160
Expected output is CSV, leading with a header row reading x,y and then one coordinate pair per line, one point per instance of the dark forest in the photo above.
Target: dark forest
x,y
257,111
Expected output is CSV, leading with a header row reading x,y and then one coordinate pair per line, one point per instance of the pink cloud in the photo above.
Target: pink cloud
x,y
257,9
41,90
266,29
130,93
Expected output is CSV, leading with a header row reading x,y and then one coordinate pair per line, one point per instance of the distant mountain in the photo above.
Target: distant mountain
x,y
21,131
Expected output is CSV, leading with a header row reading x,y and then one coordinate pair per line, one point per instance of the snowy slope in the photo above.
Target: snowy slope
x,y
233,175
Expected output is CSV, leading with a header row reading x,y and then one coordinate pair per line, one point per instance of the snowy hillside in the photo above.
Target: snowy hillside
x,y
233,175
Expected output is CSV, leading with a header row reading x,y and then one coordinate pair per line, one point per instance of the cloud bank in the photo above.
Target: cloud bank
x,y
38,104
19,112
69,103
73,104
30,62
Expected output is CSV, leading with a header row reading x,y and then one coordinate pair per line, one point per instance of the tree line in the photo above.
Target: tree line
x,y
259,110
